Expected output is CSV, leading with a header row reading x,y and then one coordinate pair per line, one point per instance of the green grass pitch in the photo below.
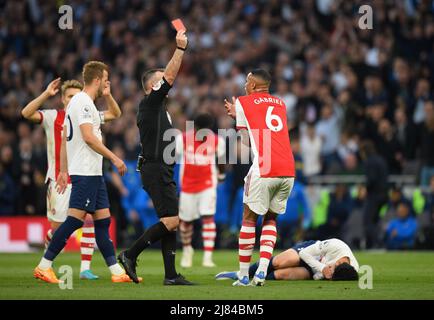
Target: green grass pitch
x,y
398,275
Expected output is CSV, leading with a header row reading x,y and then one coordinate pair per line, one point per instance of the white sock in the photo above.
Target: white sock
x,y
85,265
207,255
45,264
116,269
263,265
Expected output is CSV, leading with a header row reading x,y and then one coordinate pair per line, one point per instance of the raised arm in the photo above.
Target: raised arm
x,y
96,145
174,64
29,112
113,111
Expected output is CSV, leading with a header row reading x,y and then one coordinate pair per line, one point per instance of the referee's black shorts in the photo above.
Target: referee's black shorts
x,y
157,180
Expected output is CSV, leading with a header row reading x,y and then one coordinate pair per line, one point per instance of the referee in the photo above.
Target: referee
x,y
157,176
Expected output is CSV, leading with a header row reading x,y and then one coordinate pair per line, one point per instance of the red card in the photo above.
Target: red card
x,y
178,25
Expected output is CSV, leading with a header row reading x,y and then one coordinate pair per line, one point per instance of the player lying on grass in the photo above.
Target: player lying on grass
x,y
330,259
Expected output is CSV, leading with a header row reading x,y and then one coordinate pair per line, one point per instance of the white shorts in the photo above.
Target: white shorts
x,y
267,194
57,204
194,205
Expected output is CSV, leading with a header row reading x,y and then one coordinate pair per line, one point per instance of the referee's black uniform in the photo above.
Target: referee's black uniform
x,y
157,175
157,178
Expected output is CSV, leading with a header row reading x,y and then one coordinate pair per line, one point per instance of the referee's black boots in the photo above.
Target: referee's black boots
x,y
179,280
129,266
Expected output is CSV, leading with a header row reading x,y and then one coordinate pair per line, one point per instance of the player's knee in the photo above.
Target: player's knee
x,y
171,223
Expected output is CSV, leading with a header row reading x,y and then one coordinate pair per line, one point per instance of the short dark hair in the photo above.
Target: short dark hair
x,y
262,74
203,121
345,272
148,75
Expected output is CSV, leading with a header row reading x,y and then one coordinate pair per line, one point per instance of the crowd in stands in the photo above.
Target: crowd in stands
x,y
358,102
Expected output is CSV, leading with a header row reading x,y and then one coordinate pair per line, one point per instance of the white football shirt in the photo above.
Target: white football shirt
x,y
82,160
326,252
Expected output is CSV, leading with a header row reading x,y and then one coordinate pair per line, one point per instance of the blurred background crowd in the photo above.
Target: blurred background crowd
x,y
360,104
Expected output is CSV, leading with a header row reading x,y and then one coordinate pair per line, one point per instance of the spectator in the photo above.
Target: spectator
x,y
406,135
7,193
328,128
401,231
421,95
338,211
426,144
389,147
376,173
310,147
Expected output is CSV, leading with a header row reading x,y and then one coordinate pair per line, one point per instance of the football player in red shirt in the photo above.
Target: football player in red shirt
x,y
262,118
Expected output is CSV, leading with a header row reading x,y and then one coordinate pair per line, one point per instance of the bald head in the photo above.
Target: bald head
x,y
258,80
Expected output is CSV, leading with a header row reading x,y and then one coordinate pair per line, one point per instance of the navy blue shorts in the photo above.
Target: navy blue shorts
x,y
304,244
89,193
300,246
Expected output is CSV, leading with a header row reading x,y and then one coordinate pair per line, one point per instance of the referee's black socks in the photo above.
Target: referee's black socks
x,y
151,235
168,250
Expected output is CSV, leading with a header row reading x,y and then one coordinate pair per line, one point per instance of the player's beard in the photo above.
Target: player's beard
x,y
99,92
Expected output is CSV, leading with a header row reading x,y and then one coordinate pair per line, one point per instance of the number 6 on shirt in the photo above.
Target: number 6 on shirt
x,y
269,117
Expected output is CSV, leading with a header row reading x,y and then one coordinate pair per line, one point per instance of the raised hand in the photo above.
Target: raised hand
x,y
181,39
106,91
230,107
53,87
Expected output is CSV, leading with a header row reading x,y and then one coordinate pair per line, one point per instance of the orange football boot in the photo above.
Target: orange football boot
x,y
47,275
123,278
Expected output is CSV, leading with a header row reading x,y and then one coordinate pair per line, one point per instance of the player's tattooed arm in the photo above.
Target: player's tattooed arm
x,y
30,111
174,64
114,111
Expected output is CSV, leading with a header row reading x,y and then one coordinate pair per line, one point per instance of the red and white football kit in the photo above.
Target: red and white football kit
x,y
57,204
198,174
271,176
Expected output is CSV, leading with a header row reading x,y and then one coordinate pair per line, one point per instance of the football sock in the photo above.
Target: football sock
x,y
253,267
186,230
60,237
45,264
48,237
151,235
246,244
267,242
270,276
104,242
87,245
116,269
168,250
208,235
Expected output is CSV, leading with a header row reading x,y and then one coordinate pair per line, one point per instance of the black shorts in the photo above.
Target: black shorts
x,y
157,180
